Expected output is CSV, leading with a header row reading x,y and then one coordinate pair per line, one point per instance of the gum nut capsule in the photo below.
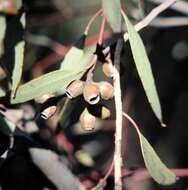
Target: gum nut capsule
x,y
43,98
48,112
108,68
91,93
75,89
105,113
106,90
87,120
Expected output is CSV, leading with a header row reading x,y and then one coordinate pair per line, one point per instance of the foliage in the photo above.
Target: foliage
x,y
70,92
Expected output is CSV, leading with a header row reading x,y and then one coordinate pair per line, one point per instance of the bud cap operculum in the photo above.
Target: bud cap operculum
x,y
87,120
91,93
75,89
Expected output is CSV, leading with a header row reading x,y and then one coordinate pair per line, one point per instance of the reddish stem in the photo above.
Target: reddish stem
x,y
94,60
132,122
54,57
102,182
142,174
91,21
101,34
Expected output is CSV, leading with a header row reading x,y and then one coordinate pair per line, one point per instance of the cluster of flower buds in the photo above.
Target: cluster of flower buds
x,y
92,93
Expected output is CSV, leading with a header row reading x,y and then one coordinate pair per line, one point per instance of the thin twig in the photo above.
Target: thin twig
x,y
180,6
101,33
169,22
118,106
143,174
95,57
152,15
53,58
91,21
102,182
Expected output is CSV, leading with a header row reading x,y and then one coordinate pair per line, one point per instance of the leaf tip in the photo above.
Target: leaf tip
x,y
13,93
163,125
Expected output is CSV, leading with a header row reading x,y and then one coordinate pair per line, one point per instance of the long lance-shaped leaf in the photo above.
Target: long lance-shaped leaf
x,y
19,60
53,82
144,68
2,33
112,11
159,172
74,54
48,83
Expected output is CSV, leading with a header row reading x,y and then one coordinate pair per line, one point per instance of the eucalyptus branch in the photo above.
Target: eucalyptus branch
x,y
151,16
169,22
118,106
180,6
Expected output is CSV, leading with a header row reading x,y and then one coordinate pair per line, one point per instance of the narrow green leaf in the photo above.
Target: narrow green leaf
x,y
160,173
112,10
53,82
49,83
144,68
19,59
155,166
74,55
2,33
86,58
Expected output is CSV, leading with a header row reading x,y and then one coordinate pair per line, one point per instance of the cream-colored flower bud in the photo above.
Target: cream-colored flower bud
x,y
106,90
108,68
105,113
87,120
75,89
91,93
43,98
48,112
